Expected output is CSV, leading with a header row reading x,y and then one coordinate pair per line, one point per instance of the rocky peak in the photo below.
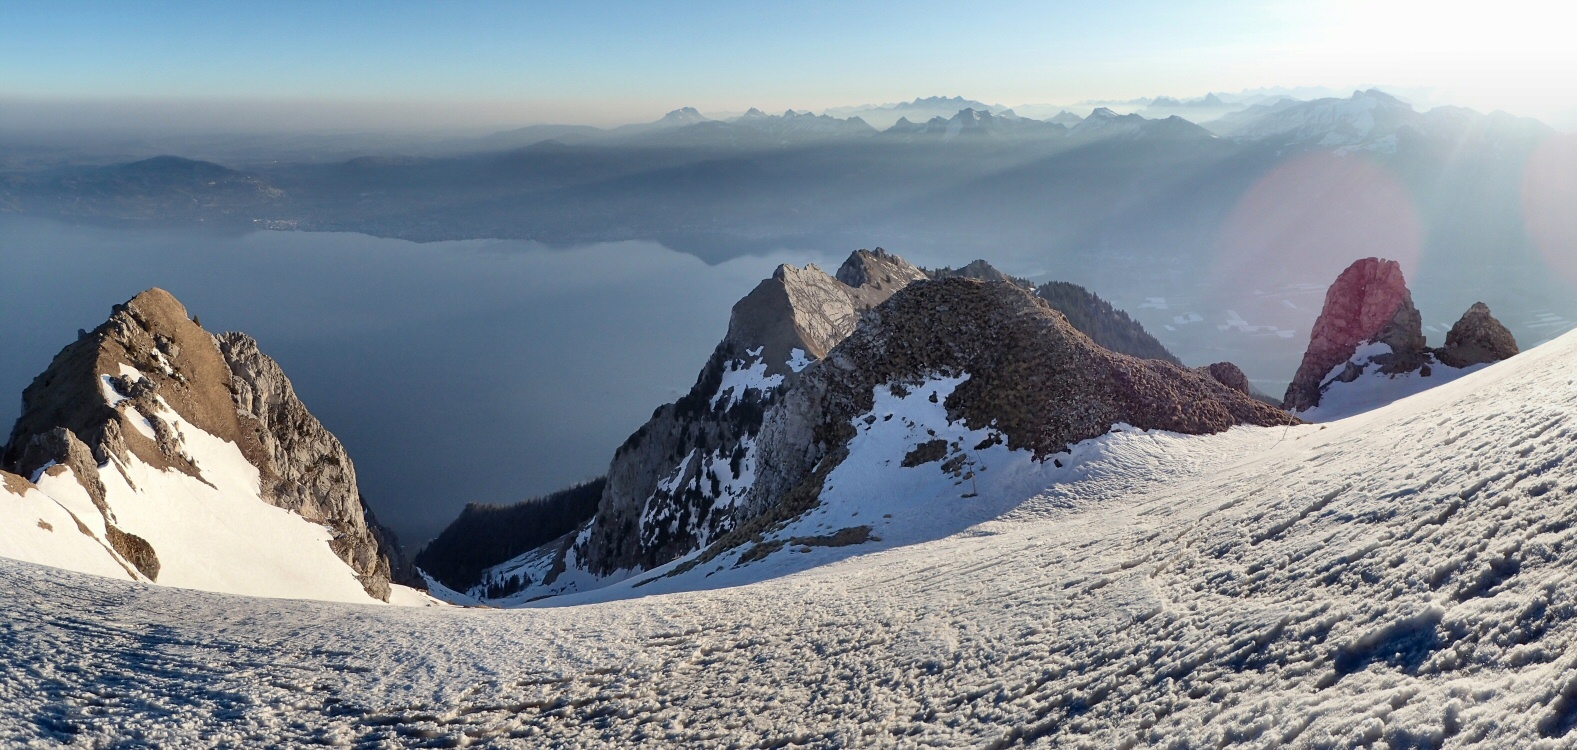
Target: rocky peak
x,y
807,310
874,275
1031,375
177,361
683,116
981,270
801,309
666,478
1477,338
1368,303
99,404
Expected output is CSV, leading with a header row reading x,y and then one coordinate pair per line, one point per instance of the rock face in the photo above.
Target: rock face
x,y
305,468
95,408
670,481
1369,302
1477,338
1031,375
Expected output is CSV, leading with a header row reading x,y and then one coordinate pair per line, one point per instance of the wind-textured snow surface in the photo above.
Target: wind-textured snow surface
x,y
1400,579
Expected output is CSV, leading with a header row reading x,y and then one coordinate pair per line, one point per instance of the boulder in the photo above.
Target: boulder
x,y
1229,375
1477,338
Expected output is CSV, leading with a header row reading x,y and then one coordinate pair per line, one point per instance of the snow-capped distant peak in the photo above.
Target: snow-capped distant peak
x,y
1360,118
1105,121
683,116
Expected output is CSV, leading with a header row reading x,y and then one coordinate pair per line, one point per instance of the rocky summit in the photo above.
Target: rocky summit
x,y
151,391
668,483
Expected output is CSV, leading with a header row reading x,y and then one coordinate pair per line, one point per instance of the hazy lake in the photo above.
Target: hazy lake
x,y
493,370
454,372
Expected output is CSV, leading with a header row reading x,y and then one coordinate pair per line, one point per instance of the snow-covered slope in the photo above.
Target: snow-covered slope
x,y
211,531
39,528
1332,122
728,480
1403,578
1375,121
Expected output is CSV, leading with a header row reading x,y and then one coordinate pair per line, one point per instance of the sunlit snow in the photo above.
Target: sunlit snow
x,y
1400,578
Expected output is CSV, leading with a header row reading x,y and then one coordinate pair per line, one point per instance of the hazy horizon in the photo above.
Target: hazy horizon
x,y
421,67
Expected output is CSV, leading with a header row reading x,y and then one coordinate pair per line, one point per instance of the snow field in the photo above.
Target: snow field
x,y
1398,579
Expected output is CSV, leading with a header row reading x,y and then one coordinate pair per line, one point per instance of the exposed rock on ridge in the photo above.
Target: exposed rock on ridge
x,y
669,481
1229,375
1032,376
1370,304
223,386
1093,316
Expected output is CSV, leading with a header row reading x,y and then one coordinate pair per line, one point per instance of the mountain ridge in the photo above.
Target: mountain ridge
x,y
148,413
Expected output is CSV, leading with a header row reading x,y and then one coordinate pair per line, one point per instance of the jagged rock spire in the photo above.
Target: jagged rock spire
x,y
1369,302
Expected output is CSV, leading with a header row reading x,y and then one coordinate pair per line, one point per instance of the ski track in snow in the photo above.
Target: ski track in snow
x,y
1401,579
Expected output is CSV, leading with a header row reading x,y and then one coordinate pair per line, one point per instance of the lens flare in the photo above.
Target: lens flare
x,y
1310,218
1549,202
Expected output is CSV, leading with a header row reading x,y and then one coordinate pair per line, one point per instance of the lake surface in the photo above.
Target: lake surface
x,y
455,372
493,371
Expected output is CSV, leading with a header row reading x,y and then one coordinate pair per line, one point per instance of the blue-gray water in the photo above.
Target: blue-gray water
x,y
454,372
493,370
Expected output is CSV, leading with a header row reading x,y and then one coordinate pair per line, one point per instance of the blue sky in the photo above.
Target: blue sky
x,y
496,63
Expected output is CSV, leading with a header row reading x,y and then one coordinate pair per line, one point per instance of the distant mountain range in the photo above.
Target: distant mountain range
x,y
920,110
1260,197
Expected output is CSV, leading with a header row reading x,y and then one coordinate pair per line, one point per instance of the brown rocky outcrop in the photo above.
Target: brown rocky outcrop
x,y
1369,302
1477,338
222,385
1032,376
